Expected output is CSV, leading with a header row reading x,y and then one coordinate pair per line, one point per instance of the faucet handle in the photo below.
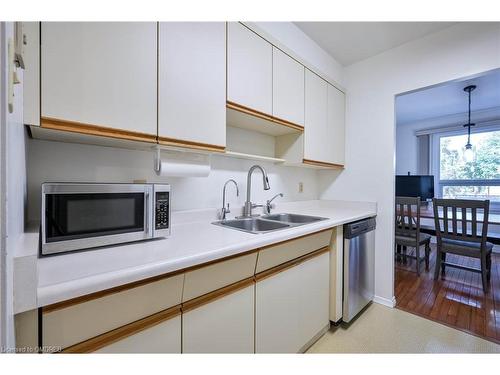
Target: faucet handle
x,y
270,205
227,210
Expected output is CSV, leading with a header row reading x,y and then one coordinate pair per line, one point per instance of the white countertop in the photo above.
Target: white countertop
x,y
194,241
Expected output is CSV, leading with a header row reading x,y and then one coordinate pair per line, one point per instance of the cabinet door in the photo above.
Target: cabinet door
x,y
161,338
336,124
31,74
249,69
292,307
192,82
224,325
277,313
288,88
100,73
314,296
316,133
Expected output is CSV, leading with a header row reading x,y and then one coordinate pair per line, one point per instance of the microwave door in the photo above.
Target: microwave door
x,y
78,218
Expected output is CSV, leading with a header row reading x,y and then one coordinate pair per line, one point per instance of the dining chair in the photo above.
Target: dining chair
x,y
407,233
460,236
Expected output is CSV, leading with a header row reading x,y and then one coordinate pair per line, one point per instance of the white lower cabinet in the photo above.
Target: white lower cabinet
x,y
314,297
224,325
164,337
292,306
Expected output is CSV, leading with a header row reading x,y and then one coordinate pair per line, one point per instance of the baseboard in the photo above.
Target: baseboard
x,y
385,301
315,338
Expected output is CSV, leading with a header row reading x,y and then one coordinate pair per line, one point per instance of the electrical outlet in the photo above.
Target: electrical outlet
x,y
301,187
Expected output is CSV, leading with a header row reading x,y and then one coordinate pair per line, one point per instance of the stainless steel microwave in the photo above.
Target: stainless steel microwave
x,y
78,216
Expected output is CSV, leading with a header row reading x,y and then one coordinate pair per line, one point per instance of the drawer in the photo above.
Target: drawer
x,y
218,275
66,324
275,255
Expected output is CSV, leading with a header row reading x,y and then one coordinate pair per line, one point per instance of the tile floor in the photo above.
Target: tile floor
x,y
381,329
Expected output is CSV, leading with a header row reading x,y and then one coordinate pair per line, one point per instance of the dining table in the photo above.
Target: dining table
x,y
428,226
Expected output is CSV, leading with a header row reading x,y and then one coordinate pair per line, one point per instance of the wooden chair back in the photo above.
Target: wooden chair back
x,y
408,217
449,225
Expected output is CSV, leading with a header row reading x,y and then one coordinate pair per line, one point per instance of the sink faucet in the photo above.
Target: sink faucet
x,y
269,206
225,210
247,209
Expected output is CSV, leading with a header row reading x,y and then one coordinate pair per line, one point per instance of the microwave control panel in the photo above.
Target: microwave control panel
x,y
161,217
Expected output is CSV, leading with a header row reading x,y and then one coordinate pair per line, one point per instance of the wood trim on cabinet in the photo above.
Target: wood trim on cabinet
x,y
291,263
322,164
262,115
295,238
189,144
89,129
102,293
216,294
120,333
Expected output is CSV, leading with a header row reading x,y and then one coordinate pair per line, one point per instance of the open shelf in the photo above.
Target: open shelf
x,y
241,155
246,118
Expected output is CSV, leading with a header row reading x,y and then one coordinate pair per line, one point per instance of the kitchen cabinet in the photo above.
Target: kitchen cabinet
x,y
100,78
192,84
223,325
324,121
288,88
249,69
164,337
206,279
292,306
314,297
75,324
316,132
336,125
31,73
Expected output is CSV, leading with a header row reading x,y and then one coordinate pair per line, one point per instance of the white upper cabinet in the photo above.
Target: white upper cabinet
x,y
100,73
192,82
316,133
249,69
31,74
324,121
288,88
336,125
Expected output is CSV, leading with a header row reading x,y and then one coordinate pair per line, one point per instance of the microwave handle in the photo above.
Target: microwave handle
x,y
147,211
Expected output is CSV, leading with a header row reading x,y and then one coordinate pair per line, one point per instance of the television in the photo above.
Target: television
x,y
415,186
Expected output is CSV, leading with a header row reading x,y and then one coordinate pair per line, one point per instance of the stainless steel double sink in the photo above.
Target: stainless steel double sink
x,y
268,223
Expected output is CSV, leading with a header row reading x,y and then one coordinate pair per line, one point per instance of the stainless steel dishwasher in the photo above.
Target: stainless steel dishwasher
x,y
359,266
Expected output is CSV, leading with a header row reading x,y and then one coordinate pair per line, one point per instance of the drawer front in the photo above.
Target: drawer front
x,y
209,278
281,253
161,338
70,325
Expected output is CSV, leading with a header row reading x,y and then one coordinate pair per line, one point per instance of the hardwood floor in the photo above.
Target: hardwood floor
x,y
457,299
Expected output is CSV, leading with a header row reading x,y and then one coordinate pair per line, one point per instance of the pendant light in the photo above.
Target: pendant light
x,y
469,154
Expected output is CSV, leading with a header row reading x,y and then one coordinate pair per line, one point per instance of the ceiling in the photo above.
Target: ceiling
x,y
349,42
449,99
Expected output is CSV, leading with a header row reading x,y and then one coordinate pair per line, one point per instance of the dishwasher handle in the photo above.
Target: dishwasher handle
x,y
357,228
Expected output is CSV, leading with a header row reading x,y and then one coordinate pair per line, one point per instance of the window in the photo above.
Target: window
x,y
462,179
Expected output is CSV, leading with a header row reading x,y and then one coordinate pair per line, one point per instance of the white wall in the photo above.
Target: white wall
x,y
406,140
372,84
